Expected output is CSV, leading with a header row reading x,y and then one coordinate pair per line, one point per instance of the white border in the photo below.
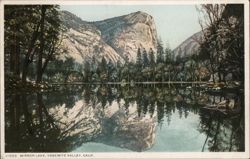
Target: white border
x,y
121,2
236,155
2,78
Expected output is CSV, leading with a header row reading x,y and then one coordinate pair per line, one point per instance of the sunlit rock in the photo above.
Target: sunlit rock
x,y
114,38
79,120
124,128
129,32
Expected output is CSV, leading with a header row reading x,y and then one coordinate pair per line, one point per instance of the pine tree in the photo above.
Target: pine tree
x,y
103,70
145,58
152,63
151,57
139,59
168,54
160,52
111,71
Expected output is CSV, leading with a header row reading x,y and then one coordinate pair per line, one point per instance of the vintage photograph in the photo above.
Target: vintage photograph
x,y
124,78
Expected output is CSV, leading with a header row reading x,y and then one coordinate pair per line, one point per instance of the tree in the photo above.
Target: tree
x,y
118,70
146,72
223,39
111,71
138,65
22,24
49,38
160,52
139,59
40,54
30,31
145,58
151,57
12,39
211,44
125,73
87,71
103,70
231,35
152,63
168,55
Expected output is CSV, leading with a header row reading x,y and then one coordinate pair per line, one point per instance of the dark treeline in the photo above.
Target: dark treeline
x,y
149,66
32,36
222,47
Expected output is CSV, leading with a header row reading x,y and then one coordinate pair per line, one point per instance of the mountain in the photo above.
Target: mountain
x,y
114,38
126,34
189,47
83,40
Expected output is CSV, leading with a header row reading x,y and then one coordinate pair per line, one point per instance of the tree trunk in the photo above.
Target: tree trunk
x,y
15,54
30,54
40,55
219,75
47,61
25,69
17,59
12,55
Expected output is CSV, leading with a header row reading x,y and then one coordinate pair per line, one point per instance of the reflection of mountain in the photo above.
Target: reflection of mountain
x,y
77,121
124,117
114,126
123,128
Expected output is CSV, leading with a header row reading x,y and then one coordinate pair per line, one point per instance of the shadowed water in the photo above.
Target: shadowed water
x,y
111,118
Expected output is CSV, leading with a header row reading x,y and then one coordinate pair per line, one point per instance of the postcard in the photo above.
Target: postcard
x,y
124,79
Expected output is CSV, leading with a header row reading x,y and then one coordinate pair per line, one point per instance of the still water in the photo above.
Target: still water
x,y
105,118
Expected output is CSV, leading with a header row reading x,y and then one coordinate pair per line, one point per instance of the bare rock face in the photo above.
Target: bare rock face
x,y
79,121
83,41
113,39
189,47
114,125
123,128
128,33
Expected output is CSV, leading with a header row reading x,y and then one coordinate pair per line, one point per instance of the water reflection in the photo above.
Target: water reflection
x,y
125,117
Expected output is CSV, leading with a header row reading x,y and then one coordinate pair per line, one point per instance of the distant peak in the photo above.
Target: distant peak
x,y
139,16
140,13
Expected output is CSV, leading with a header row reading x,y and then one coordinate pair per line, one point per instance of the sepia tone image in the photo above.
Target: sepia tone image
x,y
124,78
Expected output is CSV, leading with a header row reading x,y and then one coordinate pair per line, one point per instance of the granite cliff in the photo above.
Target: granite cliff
x,y
114,38
189,47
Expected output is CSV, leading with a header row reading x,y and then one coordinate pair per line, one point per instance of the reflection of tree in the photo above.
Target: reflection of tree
x,y
149,98
36,130
223,133
102,94
12,122
59,98
87,94
44,113
28,120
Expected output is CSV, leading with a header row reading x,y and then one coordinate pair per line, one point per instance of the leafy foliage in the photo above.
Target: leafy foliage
x,y
223,44
32,37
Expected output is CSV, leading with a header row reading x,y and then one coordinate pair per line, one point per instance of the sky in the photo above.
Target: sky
x,y
174,23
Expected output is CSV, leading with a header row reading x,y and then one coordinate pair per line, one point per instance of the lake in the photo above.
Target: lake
x,y
115,118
